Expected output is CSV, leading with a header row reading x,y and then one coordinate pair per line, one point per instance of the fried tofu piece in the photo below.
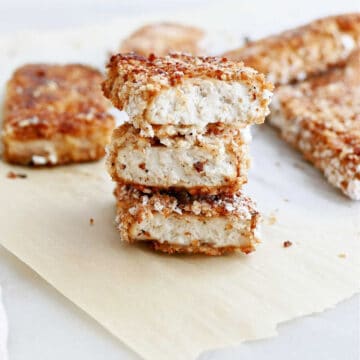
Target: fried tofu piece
x,y
181,223
217,161
321,118
180,92
297,54
55,114
163,38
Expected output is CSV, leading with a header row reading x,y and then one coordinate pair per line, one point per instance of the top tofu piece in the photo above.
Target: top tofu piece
x,y
55,114
297,54
182,91
162,38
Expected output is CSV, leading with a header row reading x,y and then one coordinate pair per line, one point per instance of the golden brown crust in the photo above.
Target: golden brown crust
x,y
127,135
198,248
235,204
321,117
133,81
308,50
50,102
163,38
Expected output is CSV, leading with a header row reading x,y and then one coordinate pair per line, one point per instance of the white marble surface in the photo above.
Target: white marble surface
x,y
4,330
44,325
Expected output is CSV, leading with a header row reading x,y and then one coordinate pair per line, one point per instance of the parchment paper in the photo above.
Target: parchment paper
x,y
176,307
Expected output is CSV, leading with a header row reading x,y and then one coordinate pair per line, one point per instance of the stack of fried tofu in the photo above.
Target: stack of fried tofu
x,y
182,158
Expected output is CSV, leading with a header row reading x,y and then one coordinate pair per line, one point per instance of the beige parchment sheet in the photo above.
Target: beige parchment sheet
x,y
176,307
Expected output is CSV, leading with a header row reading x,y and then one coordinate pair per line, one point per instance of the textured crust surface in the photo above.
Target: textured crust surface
x,y
321,117
59,105
134,206
198,248
163,38
234,145
133,82
308,50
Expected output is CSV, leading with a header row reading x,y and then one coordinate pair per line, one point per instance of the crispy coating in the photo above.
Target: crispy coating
x,y
55,112
191,165
321,118
134,82
133,207
305,51
198,248
163,38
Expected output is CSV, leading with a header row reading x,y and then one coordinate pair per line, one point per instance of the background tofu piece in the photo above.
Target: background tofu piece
x,y
55,114
297,54
321,118
164,37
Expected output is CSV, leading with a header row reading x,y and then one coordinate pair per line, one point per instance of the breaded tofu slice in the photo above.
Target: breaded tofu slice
x,y
297,54
55,114
321,118
181,223
182,91
163,38
217,161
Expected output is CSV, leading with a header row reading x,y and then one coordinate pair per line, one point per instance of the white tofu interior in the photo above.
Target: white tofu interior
x,y
198,102
182,230
182,166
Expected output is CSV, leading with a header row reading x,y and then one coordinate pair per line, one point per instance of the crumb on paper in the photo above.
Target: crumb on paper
x,y
272,219
247,39
287,244
277,163
14,175
91,221
299,165
286,200
342,255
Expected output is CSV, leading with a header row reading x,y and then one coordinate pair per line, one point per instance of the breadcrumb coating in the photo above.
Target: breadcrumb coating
x,y
321,118
297,54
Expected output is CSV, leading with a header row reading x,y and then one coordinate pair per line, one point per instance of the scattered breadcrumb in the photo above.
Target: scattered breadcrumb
x,y
13,175
299,166
286,200
247,39
287,244
342,256
272,219
91,221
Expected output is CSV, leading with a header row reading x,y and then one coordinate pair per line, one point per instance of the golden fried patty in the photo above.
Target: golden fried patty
x,y
55,114
321,118
162,38
296,54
